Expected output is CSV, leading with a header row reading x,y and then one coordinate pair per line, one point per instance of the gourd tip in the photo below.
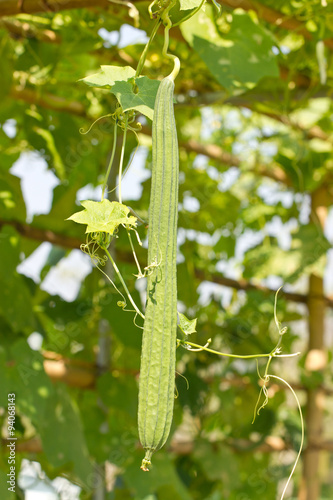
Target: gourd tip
x,y
146,462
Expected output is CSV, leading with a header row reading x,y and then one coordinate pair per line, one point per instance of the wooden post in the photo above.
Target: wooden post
x,y
310,488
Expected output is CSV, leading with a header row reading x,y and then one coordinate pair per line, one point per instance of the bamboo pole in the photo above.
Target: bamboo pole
x,y
310,488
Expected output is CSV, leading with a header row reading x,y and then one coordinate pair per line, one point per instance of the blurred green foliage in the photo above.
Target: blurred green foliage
x,y
248,89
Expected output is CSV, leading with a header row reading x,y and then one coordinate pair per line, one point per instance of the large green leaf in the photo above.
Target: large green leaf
x,y
189,4
239,59
119,393
12,205
306,255
62,436
57,161
4,378
4,492
121,322
15,297
140,96
132,93
6,75
109,75
27,378
163,479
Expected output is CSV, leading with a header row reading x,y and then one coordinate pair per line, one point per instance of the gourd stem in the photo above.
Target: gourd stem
x,y
145,50
122,157
115,267
186,18
134,253
111,158
168,25
176,67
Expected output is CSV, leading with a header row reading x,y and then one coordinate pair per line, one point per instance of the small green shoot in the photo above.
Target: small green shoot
x,y
186,325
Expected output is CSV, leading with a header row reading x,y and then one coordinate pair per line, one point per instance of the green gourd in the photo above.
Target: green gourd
x,y
157,372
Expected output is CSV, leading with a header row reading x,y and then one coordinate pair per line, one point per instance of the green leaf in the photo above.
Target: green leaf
x,y
163,479
16,304
216,462
122,324
62,435
225,245
5,382
57,162
238,60
12,205
108,76
10,252
140,97
4,492
15,298
217,6
132,93
103,216
189,4
306,255
118,393
27,378
7,56
187,326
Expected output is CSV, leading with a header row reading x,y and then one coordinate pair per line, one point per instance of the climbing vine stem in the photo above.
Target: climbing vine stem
x,y
115,267
274,354
114,146
122,157
168,25
302,432
145,50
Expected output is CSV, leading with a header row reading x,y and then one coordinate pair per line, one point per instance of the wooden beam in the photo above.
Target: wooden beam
x,y
72,372
50,101
19,29
57,103
271,444
65,241
271,16
15,7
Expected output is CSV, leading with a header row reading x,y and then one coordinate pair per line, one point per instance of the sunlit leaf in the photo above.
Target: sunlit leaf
x,y
187,326
103,216
132,93
140,96
237,60
189,4
109,75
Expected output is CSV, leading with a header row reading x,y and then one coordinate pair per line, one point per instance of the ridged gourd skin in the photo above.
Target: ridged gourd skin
x,y
158,354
